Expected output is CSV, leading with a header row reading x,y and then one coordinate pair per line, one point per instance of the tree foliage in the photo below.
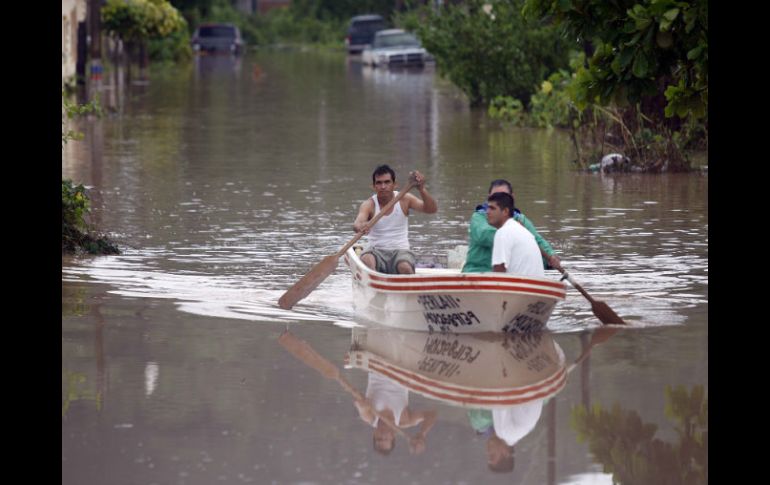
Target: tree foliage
x,y
74,204
342,9
653,52
72,110
320,9
141,20
488,49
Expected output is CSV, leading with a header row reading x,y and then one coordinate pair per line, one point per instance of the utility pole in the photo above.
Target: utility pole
x,y
95,46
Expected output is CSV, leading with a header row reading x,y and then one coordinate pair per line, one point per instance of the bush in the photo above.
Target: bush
x,y
74,205
409,20
507,109
173,48
75,232
488,49
551,105
285,25
295,24
72,110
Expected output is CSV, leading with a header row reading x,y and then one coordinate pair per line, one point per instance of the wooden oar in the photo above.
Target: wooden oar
x,y
304,352
322,270
603,312
599,336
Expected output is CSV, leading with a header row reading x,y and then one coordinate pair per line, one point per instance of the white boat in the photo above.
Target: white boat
x,y
446,300
486,371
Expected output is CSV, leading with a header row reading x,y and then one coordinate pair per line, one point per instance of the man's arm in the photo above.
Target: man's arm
x,y
480,231
427,419
364,214
365,410
428,204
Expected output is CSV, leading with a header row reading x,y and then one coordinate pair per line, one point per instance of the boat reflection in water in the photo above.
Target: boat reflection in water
x,y
484,370
502,379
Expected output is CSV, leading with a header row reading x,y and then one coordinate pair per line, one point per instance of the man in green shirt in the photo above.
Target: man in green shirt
x,y
482,235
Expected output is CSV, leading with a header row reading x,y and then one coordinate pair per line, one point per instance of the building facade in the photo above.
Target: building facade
x,y
73,13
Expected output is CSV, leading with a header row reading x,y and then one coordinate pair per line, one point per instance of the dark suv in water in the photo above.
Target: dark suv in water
x,y
361,31
224,38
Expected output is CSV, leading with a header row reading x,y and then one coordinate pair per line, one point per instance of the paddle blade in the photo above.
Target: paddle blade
x,y
602,334
309,282
304,352
605,314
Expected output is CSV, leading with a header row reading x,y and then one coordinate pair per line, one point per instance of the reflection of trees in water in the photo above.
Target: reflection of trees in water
x,y
627,448
75,388
75,385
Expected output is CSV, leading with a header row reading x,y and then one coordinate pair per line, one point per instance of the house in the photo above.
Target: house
x,y
73,16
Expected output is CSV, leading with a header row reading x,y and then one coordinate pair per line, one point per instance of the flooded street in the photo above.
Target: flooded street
x,y
226,180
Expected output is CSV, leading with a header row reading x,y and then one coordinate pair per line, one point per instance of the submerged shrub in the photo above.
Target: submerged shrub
x,y
551,104
506,108
74,205
76,234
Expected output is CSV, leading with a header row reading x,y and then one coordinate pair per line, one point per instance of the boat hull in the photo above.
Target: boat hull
x,y
446,300
487,371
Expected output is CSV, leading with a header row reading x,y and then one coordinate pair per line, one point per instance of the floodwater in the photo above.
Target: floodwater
x,y
224,181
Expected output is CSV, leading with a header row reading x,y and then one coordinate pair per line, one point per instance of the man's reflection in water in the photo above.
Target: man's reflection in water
x,y
391,400
503,428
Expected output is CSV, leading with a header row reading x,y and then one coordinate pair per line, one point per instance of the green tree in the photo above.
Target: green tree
x,y
136,22
342,9
72,110
488,49
653,52
643,88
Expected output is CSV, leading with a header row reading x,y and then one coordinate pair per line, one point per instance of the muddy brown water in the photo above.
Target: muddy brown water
x,y
225,180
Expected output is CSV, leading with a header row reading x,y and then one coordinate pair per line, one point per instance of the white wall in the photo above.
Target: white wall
x,y
72,12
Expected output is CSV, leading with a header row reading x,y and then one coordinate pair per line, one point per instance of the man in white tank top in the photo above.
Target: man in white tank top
x,y
388,250
391,399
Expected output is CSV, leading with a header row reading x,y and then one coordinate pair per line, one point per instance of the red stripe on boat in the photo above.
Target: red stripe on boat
x,y
513,289
468,400
514,392
460,278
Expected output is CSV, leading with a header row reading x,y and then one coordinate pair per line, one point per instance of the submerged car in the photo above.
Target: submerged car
x,y
395,48
217,38
361,32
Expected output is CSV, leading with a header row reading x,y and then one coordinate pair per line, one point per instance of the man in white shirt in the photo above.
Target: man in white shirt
x,y
504,428
515,249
